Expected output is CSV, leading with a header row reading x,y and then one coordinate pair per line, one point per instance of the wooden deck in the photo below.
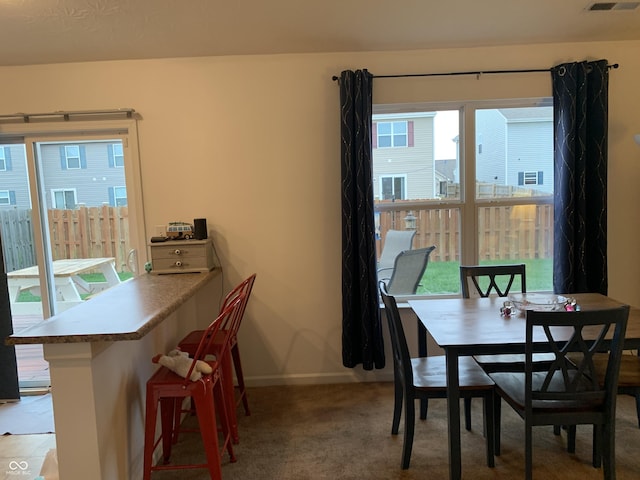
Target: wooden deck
x,y
33,369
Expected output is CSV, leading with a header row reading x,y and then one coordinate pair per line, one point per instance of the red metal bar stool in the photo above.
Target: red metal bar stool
x,y
190,343
168,389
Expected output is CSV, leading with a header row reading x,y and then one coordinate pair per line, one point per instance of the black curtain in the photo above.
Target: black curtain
x,y
580,101
9,389
361,325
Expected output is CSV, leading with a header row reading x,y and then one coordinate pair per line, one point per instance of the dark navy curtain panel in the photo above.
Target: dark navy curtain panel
x,y
580,101
361,325
8,367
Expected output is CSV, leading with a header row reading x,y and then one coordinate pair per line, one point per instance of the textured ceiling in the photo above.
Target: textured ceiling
x,y
54,31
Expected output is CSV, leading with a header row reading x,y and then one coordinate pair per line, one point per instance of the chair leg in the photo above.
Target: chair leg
x,y
497,417
397,407
424,408
167,415
151,412
467,413
608,431
237,365
227,380
596,461
528,450
571,438
209,432
409,426
489,422
220,400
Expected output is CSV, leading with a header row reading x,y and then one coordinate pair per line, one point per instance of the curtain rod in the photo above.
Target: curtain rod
x,y
477,73
66,115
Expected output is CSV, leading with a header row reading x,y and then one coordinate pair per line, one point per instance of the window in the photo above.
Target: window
x,y
392,134
72,157
5,198
64,199
530,178
116,155
392,188
484,196
118,196
3,159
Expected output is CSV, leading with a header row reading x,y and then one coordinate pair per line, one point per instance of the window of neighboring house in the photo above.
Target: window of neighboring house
x,y
72,156
116,155
5,197
392,134
64,199
392,187
494,208
3,159
530,178
118,196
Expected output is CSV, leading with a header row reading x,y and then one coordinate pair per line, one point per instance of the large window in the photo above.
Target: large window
x,y
484,196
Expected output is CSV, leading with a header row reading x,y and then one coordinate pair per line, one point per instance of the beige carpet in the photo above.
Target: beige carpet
x,y
343,432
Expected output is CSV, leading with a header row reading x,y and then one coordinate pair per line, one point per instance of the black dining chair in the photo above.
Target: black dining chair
x,y
568,392
425,378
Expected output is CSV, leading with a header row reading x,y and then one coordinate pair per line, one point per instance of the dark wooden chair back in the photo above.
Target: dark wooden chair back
x,y
484,280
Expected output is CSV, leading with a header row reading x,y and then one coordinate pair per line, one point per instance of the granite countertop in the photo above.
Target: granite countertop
x,y
125,312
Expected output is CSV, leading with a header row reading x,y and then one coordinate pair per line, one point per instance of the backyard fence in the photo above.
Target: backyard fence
x,y
84,232
517,232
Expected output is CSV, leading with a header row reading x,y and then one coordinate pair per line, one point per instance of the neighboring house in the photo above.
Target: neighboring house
x,y
514,147
90,174
403,156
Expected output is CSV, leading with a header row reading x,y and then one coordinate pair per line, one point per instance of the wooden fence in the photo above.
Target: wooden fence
x,y
519,232
85,232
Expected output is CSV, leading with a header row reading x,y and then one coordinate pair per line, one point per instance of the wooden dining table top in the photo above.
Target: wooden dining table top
x,y
478,324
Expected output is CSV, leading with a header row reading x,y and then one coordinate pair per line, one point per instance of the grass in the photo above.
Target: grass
x,y
444,277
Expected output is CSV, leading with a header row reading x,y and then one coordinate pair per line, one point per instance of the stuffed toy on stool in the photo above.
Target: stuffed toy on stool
x,y
179,362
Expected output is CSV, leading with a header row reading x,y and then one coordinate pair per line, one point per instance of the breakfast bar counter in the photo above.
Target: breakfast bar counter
x,y
99,355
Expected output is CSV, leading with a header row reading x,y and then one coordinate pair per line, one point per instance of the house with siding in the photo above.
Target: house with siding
x,y
90,173
405,167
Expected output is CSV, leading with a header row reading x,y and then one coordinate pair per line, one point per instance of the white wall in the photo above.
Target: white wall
x,y
256,138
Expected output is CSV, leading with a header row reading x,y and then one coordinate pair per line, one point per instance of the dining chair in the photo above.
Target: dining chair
x,y
408,270
568,392
395,241
628,384
487,280
424,378
191,342
168,390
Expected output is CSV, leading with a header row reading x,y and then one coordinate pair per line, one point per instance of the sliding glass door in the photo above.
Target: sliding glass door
x,y
69,225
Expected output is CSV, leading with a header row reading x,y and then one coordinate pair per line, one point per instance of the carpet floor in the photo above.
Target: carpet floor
x,y
344,432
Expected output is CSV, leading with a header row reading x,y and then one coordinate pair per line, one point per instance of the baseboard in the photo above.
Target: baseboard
x,y
354,376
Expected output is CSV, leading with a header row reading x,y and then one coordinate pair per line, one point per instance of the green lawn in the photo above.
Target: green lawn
x,y
444,277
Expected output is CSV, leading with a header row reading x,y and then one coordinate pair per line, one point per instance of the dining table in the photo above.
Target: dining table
x,y
476,326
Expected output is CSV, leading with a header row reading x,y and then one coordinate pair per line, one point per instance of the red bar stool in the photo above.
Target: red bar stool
x,y
168,389
190,343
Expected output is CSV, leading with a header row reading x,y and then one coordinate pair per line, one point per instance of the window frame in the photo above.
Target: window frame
x,y
467,203
64,192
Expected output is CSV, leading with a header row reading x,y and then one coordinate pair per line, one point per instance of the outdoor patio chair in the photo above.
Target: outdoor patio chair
x,y
408,270
395,241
